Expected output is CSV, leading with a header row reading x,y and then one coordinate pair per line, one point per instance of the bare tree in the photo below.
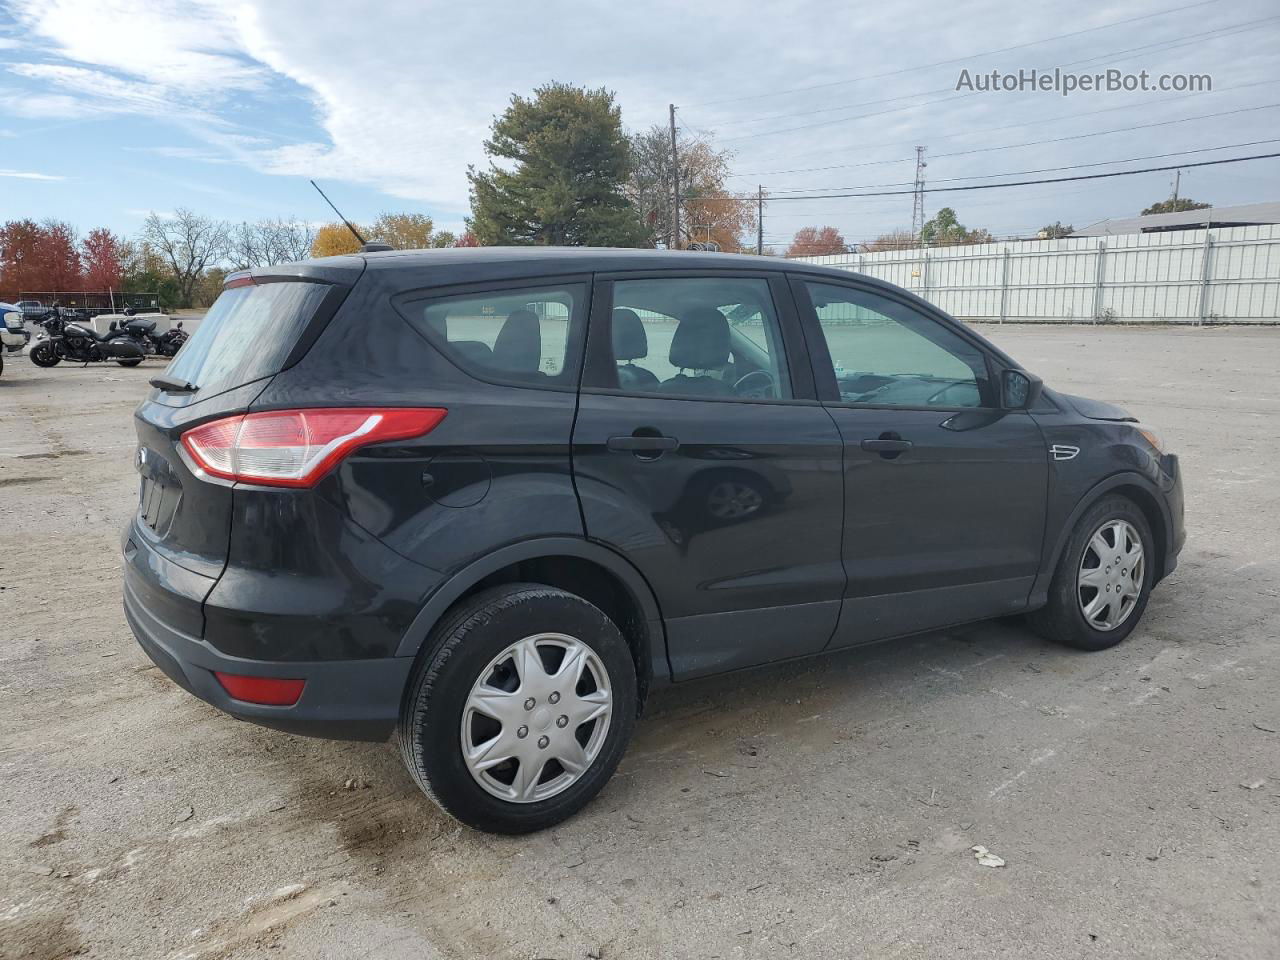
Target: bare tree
x,y
268,242
245,247
900,239
188,243
708,210
292,239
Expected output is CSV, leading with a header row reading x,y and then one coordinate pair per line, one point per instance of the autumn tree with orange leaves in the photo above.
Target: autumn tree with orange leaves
x,y
816,242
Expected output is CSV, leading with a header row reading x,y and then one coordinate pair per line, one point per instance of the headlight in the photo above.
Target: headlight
x,y
1152,438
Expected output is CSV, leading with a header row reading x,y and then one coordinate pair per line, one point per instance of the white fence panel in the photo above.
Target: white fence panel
x,y
1226,275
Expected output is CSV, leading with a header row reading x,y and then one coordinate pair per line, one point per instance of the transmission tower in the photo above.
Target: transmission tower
x,y
917,205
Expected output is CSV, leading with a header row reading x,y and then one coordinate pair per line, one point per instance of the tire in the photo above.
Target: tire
x,y
1063,619
43,355
473,643
132,362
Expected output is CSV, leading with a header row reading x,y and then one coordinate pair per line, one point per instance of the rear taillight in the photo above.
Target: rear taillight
x,y
295,448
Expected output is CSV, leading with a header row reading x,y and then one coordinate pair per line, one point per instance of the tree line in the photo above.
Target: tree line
x,y
561,171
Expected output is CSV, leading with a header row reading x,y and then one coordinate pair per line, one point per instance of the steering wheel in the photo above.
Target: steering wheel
x,y
762,391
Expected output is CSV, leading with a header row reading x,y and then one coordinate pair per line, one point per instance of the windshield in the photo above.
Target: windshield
x,y
246,335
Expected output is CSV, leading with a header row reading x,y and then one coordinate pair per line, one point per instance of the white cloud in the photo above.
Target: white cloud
x,y
399,94
177,45
26,175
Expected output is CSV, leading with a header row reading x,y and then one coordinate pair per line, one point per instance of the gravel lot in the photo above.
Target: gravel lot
x,y
816,810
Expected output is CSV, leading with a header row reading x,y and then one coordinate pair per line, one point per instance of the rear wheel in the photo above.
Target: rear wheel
x,y
1103,580
521,708
44,355
131,362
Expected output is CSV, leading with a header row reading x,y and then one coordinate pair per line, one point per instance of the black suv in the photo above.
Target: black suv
x,y
489,498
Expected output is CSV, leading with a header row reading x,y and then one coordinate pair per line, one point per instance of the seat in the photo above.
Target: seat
x,y
630,342
700,344
475,351
518,348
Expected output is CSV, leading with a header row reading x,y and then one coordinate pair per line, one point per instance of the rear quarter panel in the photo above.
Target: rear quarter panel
x,y
495,471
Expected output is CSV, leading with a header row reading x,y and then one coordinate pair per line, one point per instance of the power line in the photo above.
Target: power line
x,y
1102,133
1024,183
1013,183
1021,173
943,63
1176,41
1030,143
1022,123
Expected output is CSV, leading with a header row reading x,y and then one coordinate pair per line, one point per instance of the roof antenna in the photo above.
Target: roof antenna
x,y
365,245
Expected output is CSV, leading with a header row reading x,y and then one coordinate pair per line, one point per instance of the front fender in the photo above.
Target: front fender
x,y
1056,541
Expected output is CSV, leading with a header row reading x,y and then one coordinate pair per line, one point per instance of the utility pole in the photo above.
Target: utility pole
x,y
675,182
917,204
1177,182
760,220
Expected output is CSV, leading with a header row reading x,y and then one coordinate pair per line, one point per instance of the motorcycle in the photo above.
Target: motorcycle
x,y
64,340
143,330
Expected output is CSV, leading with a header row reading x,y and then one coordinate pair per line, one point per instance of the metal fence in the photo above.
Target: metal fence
x,y
1226,275
90,301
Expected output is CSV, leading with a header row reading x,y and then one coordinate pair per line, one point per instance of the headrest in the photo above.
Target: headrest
x,y
629,339
701,341
519,343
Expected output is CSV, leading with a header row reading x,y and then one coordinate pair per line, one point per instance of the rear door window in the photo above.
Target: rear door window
x,y
521,334
696,337
247,334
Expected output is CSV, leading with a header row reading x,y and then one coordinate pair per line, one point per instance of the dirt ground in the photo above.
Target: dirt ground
x,y
825,809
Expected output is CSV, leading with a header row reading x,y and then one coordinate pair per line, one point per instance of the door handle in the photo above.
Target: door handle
x,y
642,444
888,445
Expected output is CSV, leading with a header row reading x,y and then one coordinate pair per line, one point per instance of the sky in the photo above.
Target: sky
x,y
110,109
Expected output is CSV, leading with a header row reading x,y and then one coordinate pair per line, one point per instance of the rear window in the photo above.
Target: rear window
x,y
521,334
246,335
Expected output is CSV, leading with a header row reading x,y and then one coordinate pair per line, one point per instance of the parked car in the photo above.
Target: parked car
x,y
33,310
13,330
487,499
13,335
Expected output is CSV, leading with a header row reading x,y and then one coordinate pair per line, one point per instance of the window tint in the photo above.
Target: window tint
x,y
246,335
885,353
697,337
510,334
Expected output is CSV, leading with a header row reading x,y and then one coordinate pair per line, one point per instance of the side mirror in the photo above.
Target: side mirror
x,y
1019,390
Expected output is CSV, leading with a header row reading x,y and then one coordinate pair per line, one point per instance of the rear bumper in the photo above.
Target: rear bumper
x,y
342,699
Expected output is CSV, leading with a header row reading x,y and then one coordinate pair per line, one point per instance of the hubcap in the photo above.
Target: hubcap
x,y
536,718
1111,575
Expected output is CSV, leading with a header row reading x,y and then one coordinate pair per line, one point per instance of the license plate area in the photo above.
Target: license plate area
x,y
160,491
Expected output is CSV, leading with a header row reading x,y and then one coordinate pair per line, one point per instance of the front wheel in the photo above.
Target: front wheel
x,y
44,355
521,708
1103,580
131,362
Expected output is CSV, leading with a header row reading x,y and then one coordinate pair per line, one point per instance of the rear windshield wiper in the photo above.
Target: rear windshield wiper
x,y
170,385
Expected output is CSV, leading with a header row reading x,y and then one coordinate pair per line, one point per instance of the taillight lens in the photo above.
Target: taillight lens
x,y
270,691
295,448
